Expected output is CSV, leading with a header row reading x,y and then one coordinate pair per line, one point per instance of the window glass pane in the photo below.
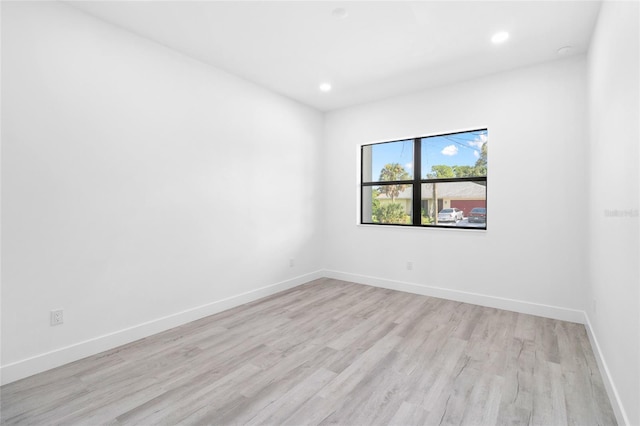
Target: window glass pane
x,y
387,161
461,204
455,155
390,204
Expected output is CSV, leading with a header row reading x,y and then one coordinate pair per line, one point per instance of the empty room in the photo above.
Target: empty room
x,y
320,212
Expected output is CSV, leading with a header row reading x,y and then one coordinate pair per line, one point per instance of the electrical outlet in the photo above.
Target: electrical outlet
x,y
292,263
409,266
56,317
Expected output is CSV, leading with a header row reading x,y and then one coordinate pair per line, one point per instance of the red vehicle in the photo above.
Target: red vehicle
x,y
477,215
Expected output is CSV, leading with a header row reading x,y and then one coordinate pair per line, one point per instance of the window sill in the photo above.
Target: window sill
x,y
436,228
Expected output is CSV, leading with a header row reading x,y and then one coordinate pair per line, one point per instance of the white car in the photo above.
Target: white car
x,y
450,215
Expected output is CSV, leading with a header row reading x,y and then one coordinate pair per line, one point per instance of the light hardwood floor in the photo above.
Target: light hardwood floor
x,y
331,352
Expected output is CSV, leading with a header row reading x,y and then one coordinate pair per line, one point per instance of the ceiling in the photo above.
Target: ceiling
x,y
366,50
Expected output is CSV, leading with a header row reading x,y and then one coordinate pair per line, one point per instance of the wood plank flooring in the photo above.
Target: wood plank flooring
x,y
331,352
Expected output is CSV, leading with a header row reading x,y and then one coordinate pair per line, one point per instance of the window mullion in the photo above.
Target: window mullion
x,y
417,187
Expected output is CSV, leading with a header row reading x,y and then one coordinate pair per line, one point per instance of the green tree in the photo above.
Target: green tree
x,y
464,171
393,172
481,162
391,213
441,171
375,204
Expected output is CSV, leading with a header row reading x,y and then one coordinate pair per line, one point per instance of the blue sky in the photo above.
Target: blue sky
x,y
460,149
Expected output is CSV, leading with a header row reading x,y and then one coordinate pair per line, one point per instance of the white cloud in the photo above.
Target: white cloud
x,y
449,150
479,141
476,154
408,166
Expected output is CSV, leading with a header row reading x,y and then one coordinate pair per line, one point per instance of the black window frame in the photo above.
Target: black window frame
x,y
416,183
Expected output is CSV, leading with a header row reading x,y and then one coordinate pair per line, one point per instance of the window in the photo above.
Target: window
x,y
432,181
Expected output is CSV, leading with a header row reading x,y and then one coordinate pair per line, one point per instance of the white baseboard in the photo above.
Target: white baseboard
x,y
46,361
612,392
547,311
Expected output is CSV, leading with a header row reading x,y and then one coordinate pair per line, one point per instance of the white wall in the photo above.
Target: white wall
x,y
614,255
139,187
532,257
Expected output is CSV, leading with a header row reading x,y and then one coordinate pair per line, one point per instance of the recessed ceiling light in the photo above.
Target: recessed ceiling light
x,y
563,51
339,13
500,37
325,87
